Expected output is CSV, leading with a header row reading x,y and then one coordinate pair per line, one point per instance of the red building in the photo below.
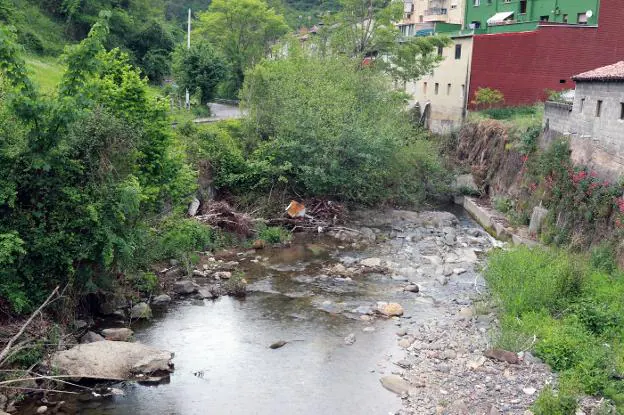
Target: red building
x,y
524,65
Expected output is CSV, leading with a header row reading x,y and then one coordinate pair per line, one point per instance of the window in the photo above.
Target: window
x,y
420,18
458,51
562,81
448,89
565,18
580,109
424,88
523,6
440,50
463,90
622,111
544,18
475,24
437,88
477,3
598,108
581,18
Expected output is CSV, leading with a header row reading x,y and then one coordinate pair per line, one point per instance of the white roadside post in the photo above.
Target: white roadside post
x,y
188,46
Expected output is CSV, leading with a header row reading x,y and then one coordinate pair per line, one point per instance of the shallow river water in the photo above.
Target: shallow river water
x,y
223,364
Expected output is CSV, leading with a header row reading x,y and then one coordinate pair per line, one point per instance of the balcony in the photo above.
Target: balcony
x,y
436,14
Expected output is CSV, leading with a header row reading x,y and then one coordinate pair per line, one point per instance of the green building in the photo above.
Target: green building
x,y
499,16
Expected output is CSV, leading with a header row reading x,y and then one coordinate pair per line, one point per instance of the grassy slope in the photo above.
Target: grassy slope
x,y
46,72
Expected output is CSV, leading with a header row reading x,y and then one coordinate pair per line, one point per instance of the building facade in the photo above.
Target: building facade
x,y
502,16
441,95
524,65
594,121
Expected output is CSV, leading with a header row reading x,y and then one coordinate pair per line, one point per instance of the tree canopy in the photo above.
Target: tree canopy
x,y
243,30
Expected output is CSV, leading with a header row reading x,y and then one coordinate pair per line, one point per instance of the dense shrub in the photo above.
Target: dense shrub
x,y
326,128
82,172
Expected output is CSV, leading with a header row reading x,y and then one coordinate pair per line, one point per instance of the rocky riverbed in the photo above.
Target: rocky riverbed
x,y
387,315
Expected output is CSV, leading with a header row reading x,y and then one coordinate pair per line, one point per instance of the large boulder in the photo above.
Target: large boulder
x,y
140,310
112,360
184,287
161,301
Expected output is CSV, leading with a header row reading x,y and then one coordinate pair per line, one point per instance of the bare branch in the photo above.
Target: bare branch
x,y
7,348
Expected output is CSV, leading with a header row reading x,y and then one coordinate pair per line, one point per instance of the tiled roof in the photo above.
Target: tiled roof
x,y
613,72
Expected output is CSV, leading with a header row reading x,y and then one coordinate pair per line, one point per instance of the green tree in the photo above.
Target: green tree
x,y
366,29
200,69
328,128
243,30
82,171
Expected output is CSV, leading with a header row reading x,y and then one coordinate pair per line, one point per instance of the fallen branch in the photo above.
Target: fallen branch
x,y
7,348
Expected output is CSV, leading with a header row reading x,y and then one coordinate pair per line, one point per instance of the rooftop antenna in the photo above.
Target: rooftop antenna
x,y
188,46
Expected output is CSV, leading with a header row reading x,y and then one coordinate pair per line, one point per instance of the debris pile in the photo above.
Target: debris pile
x,y
222,215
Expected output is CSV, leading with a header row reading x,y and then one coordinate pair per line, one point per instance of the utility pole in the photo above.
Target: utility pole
x,y
188,46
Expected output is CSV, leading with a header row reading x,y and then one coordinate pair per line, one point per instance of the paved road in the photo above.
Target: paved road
x,y
221,112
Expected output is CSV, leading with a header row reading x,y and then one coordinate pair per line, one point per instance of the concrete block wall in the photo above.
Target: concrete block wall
x,y
556,118
606,130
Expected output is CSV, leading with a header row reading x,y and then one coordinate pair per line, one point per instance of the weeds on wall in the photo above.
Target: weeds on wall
x,y
584,208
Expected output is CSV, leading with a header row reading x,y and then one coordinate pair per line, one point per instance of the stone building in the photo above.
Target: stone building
x,y
594,121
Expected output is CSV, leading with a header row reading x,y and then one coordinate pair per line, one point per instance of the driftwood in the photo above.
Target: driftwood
x,y
6,352
222,215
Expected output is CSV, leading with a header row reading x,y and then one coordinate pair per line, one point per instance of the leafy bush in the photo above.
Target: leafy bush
x,y
145,282
551,403
488,97
274,234
509,113
179,238
326,128
503,204
199,69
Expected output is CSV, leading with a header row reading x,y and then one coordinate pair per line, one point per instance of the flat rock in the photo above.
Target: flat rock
x,y
395,384
390,309
112,360
184,287
502,356
119,335
371,262
91,337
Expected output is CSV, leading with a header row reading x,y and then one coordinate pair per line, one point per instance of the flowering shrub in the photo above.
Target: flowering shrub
x,y
583,201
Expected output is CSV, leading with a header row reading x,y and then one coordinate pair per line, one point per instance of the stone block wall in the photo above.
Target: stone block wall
x,y
556,119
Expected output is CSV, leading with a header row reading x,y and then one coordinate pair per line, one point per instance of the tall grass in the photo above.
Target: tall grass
x,y
575,312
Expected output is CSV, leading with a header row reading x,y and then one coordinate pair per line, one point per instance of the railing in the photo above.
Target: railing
x,y
436,11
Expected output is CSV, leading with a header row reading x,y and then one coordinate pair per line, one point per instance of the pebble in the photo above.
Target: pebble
x,y
350,339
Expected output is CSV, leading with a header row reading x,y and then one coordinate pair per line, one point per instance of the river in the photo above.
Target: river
x,y
223,363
